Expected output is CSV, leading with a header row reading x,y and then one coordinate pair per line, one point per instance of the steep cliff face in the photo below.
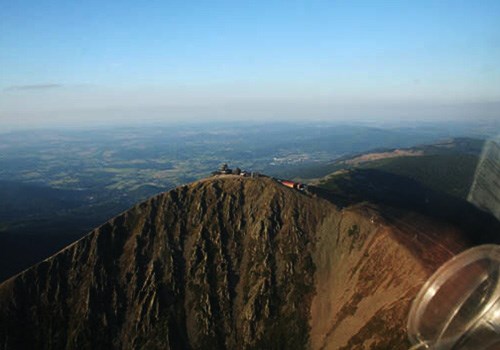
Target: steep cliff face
x,y
228,262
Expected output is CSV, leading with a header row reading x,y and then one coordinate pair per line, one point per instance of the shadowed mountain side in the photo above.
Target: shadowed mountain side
x,y
19,252
405,195
228,262
36,221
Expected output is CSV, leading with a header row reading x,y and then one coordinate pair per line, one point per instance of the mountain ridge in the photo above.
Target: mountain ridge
x,y
229,262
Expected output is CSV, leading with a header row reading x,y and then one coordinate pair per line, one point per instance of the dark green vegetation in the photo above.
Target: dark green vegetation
x,y
445,167
452,174
459,153
57,185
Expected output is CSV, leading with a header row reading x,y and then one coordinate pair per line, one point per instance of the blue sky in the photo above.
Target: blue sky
x,y
78,61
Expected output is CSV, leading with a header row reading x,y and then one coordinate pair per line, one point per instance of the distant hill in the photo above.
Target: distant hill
x,y
456,146
447,166
233,263
449,173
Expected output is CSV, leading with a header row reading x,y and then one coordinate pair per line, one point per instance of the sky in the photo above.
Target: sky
x,y
78,62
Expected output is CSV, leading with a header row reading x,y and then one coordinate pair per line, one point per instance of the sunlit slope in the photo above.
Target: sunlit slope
x,y
231,262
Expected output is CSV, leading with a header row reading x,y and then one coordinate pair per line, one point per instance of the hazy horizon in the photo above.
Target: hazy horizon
x,y
123,62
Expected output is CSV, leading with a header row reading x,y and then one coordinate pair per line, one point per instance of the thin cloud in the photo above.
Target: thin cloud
x,y
33,87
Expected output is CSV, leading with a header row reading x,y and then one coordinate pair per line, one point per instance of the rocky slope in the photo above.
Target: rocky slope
x,y
230,262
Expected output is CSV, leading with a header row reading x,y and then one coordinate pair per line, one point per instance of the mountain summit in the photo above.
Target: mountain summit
x,y
230,263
